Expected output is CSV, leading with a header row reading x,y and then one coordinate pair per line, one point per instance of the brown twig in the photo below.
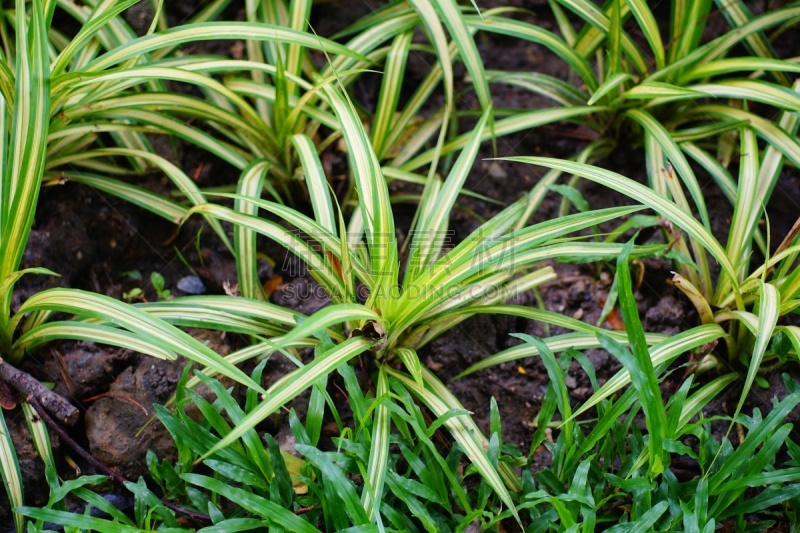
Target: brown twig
x,y
91,459
32,390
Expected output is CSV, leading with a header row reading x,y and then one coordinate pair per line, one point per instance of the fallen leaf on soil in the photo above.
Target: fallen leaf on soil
x,y
271,285
8,397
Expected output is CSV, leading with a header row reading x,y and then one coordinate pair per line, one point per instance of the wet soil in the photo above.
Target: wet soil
x,y
96,242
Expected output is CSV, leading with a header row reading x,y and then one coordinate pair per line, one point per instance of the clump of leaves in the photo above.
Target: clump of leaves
x,y
677,474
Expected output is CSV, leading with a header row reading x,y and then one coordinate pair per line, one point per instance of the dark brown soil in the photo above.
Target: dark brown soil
x,y
95,241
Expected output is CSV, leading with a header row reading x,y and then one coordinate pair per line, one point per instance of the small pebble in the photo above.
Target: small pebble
x,y
191,285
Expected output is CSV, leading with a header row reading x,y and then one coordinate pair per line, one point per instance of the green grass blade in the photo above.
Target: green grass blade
x,y
661,353
640,366
253,503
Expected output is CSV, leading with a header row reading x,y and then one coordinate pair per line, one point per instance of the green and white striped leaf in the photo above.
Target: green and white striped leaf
x,y
85,331
663,352
9,468
250,184
640,193
767,317
209,31
317,182
374,201
293,384
379,450
440,400
162,335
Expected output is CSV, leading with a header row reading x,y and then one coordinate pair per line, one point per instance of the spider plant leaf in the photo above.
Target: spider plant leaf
x,y
518,122
159,333
379,450
611,83
535,34
644,195
440,400
431,229
374,202
178,310
717,48
601,26
725,66
295,382
738,14
411,362
250,184
768,313
184,183
752,90
317,182
663,352
773,134
687,21
542,84
155,203
299,15
208,31
650,90
467,50
103,13
696,297
647,22
85,331
24,161
12,479
391,84
318,267
676,158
